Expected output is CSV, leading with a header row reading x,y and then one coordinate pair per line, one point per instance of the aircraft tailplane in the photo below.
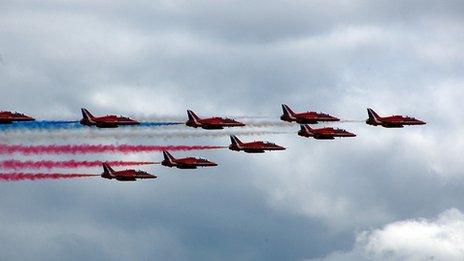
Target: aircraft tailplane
x,y
235,141
86,115
107,169
287,111
168,157
306,128
373,115
193,117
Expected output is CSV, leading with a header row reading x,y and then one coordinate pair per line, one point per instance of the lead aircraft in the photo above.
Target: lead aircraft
x,y
394,121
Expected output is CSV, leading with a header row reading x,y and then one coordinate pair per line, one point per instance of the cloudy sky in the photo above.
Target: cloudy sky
x,y
386,194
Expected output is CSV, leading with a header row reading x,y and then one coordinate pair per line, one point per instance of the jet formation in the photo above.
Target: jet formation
x,y
217,123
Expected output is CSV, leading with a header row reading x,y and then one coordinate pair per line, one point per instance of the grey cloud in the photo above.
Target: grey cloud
x,y
238,58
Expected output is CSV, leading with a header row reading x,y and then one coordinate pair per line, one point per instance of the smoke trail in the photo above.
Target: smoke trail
x,y
352,120
40,176
127,134
49,164
87,148
265,124
153,124
49,125
161,118
183,119
289,124
250,117
41,125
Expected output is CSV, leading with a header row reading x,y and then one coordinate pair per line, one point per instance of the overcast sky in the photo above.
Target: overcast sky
x,y
388,193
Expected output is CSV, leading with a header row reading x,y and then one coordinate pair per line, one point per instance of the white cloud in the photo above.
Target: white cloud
x,y
414,239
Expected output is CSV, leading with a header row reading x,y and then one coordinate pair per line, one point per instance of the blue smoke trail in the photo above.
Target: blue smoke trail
x,y
49,125
41,125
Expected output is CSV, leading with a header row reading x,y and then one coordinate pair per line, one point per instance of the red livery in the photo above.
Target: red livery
x,y
125,175
323,133
309,117
108,121
185,163
395,121
10,117
214,123
252,147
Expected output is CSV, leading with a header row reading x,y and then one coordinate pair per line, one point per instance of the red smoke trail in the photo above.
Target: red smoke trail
x,y
86,148
49,164
40,176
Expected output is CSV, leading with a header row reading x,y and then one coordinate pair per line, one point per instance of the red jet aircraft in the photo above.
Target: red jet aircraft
x,y
10,117
185,163
108,121
252,147
309,117
323,133
214,123
395,121
125,175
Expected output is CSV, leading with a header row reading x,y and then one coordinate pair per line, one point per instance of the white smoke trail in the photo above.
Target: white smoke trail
x,y
160,118
341,121
266,124
172,118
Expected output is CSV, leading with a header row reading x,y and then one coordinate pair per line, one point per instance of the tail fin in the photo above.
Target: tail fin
x,y
168,157
287,111
107,169
306,128
86,115
373,115
193,117
235,141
